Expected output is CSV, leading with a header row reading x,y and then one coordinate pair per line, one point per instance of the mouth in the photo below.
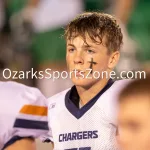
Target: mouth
x,y
78,72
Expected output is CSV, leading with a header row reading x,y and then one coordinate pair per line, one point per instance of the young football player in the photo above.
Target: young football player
x,y
83,117
23,116
134,116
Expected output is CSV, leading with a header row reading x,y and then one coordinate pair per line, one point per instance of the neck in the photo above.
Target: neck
x,y
86,94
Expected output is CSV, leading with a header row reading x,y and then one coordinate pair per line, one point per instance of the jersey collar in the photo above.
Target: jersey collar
x,y
72,101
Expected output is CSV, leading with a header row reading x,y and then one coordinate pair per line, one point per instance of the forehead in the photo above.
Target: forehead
x,y
87,41
135,106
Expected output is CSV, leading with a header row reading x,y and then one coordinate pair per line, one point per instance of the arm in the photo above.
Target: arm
x,y
29,9
33,3
24,144
123,9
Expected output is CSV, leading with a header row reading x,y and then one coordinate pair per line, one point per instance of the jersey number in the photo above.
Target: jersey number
x,y
81,148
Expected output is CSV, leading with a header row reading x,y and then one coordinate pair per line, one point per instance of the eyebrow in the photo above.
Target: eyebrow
x,y
86,46
70,45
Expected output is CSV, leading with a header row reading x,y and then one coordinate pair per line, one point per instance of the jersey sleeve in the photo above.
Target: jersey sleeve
x,y
32,116
28,115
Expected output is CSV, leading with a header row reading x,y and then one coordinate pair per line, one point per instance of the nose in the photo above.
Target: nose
x,y
120,142
78,58
123,141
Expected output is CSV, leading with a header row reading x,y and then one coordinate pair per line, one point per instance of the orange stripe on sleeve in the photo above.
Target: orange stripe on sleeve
x,y
34,110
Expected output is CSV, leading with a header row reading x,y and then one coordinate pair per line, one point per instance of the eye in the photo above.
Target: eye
x,y
134,127
90,51
71,50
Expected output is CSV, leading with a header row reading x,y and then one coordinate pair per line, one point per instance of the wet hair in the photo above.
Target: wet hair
x,y
97,26
135,88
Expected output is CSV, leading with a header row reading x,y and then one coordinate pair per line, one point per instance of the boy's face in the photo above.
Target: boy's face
x,y
79,54
134,123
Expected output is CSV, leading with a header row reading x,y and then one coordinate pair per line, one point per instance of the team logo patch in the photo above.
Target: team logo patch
x,y
52,105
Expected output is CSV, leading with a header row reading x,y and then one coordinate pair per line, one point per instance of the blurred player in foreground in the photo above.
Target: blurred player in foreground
x,y
83,117
23,116
134,116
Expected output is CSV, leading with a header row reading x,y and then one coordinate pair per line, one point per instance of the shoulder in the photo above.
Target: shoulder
x,y
121,83
20,99
14,87
116,87
57,98
56,104
108,102
114,90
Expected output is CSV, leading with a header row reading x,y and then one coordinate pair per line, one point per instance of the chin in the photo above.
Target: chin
x,y
85,83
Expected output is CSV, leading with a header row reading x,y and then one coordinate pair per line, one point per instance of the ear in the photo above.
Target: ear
x,y
113,59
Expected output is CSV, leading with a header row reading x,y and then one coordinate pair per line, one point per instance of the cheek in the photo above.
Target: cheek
x,y
69,59
102,63
143,142
67,56
144,136
141,138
